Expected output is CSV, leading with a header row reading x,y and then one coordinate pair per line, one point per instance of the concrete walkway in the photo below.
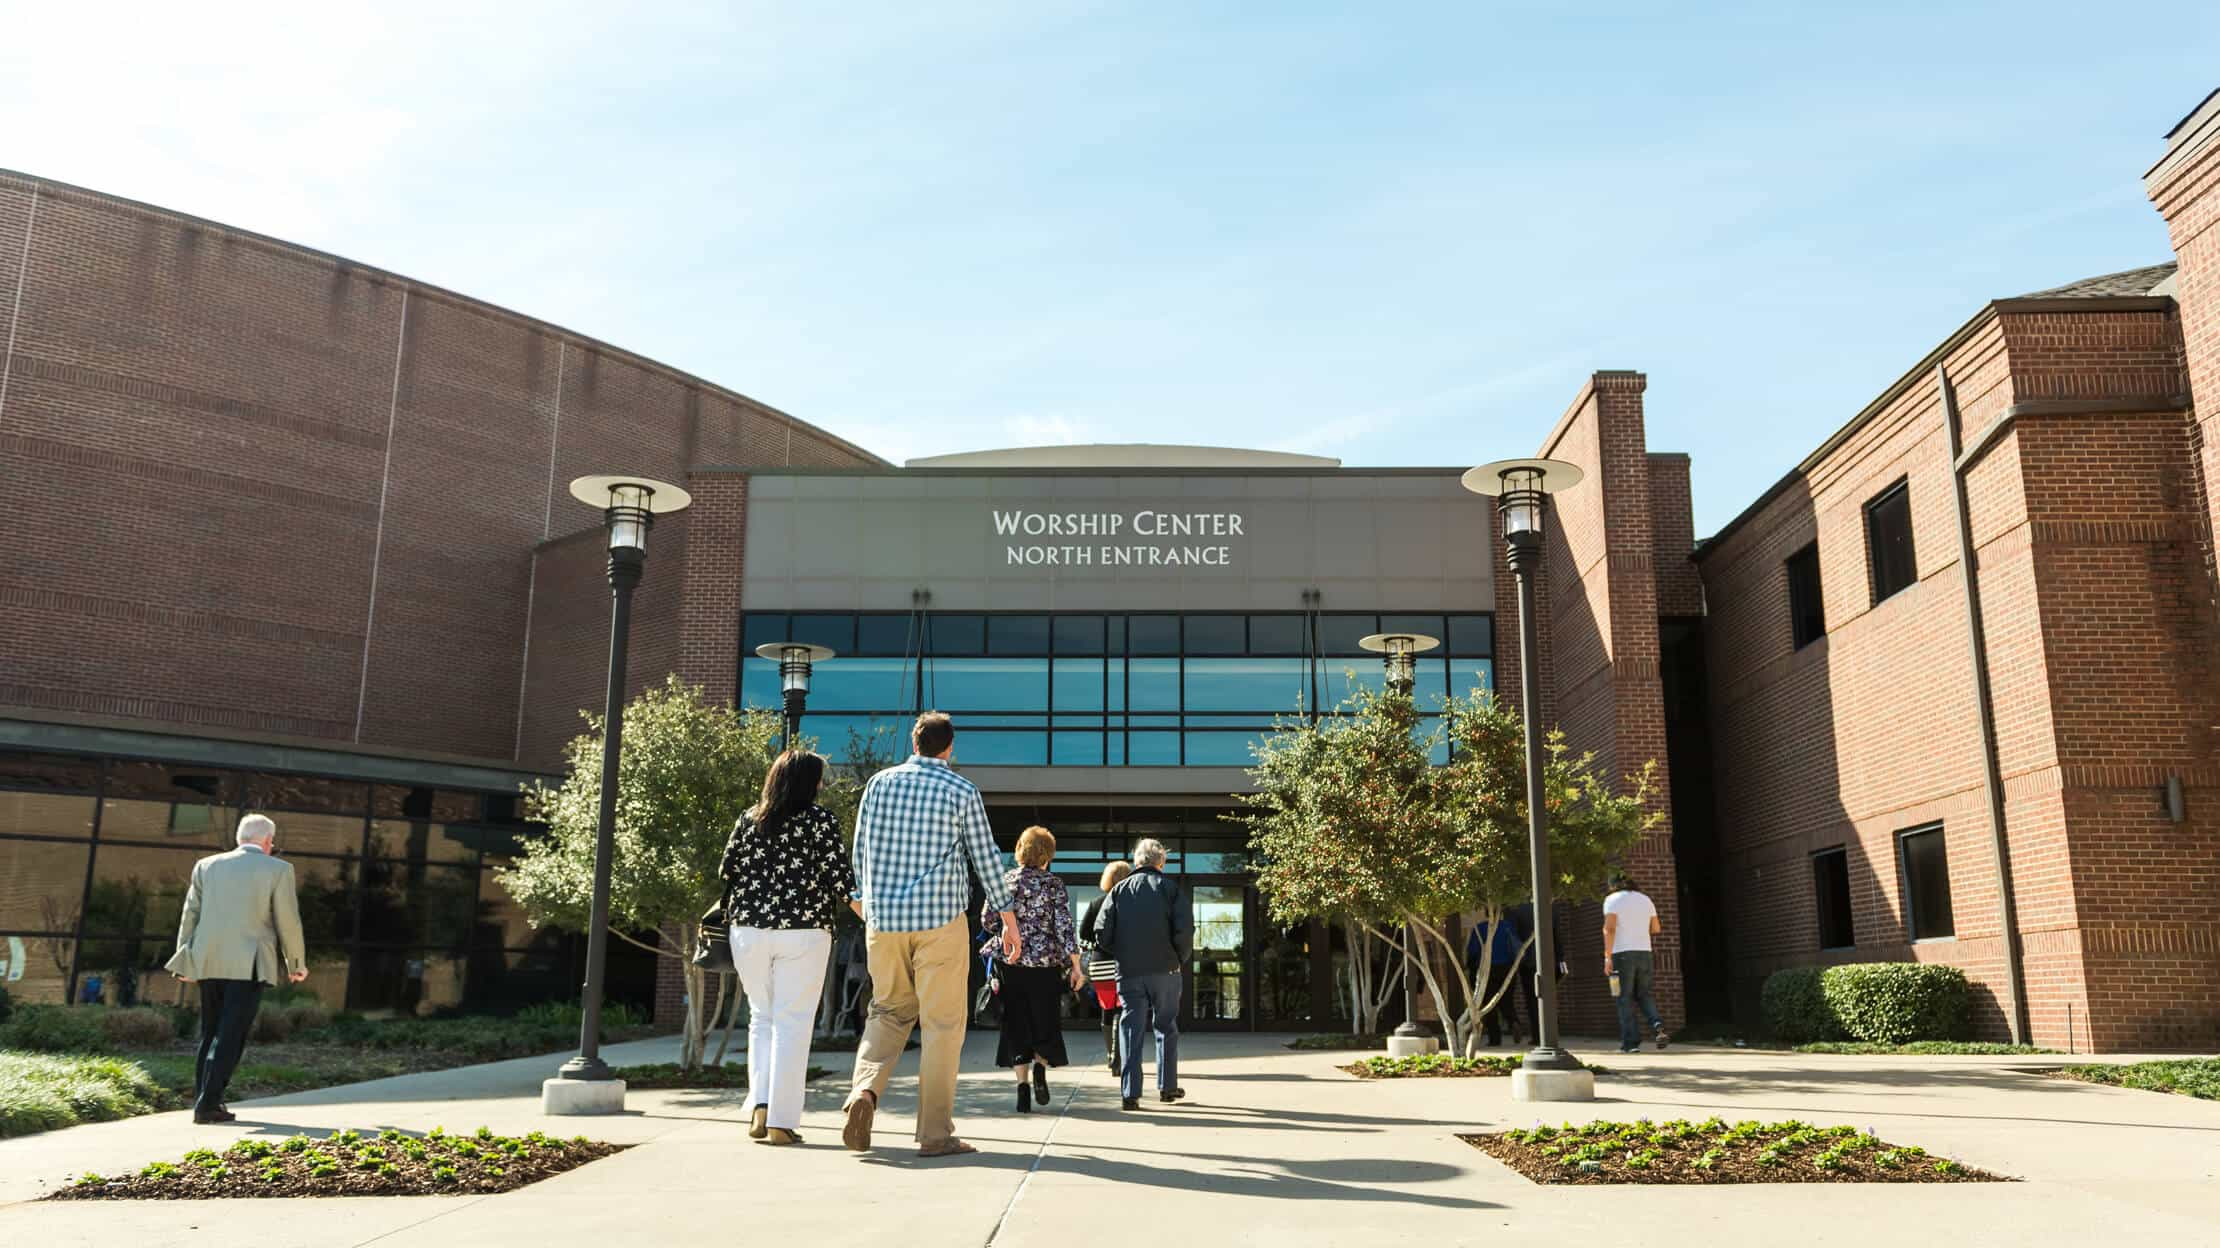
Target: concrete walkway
x,y
1273,1147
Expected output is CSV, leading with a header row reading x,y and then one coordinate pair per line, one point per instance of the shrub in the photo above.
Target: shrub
x,y
271,1027
571,1014
55,1029
1894,1002
39,1092
140,1027
1795,1006
7,1004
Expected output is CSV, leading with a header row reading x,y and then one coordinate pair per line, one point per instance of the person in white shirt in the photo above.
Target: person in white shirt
x,y
1629,921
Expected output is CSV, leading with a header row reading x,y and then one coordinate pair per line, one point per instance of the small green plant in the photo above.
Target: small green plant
x,y
89,1179
1947,1166
347,1138
158,1170
443,1174
1710,1159
484,1133
294,1144
1644,1159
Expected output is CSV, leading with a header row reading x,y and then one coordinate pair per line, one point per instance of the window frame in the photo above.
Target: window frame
x,y
1840,853
1912,928
1900,489
1805,601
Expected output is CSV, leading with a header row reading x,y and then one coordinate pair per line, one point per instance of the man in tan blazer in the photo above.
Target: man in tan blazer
x,y
241,920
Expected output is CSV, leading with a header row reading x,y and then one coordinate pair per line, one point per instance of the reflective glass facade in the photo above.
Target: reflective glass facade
x,y
1097,690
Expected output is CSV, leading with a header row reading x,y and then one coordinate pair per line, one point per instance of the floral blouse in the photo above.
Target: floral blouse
x,y
796,875
1046,934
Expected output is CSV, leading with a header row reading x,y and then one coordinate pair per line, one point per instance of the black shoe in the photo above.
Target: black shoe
x,y
1025,1098
1129,1102
1173,1095
213,1118
1040,1083
1662,1039
1630,1048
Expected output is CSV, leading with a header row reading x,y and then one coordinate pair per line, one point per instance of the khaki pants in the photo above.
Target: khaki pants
x,y
917,976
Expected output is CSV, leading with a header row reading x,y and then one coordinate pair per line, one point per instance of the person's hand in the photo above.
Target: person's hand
x,y
1010,942
1078,980
184,979
1563,970
296,976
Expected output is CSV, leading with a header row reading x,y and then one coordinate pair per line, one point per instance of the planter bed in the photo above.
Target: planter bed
x,y
2189,1076
1714,1151
350,1163
1433,1066
733,1075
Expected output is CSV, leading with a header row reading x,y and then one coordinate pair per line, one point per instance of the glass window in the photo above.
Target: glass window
x,y
1888,540
407,903
1830,874
1466,675
45,814
1153,634
1220,748
1807,617
54,773
761,628
885,635
1079,684
1339,634
1278,634
421,841
1113,635
1216,634
1926,884
1078,749
1152,749
41,884
1079,634
196,824
954,685
127,778
1002,748
759,683
410,982
1246,684
268,792
1471,635
1426,625
137,890
956,634
1344,676
1017,634
1152,684
328,835
836,631
855,684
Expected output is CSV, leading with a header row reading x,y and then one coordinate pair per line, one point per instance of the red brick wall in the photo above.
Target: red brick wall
x,y
2185,188
1603,609
282,494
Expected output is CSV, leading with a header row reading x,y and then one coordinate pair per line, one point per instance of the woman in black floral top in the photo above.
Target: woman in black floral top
x,y
1047,962
786,876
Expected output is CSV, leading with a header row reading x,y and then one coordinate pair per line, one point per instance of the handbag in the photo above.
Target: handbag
x,y
713,942
1102,970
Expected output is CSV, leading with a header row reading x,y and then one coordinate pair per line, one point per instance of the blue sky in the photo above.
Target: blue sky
x,y
1397,234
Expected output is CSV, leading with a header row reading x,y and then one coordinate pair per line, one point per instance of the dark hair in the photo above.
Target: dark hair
x,y
1623,882
934,733
789,787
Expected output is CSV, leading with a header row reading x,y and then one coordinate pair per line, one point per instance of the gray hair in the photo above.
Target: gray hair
x,y
256,830
1149,852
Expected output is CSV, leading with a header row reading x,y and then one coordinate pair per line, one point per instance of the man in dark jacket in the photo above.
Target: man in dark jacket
x,y
1146,926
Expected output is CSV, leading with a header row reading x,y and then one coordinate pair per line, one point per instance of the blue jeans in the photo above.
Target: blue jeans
x,y
1151,1004
1637,972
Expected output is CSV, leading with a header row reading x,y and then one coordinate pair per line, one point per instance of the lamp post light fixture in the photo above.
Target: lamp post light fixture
x,y
1522,488
628,508
794,659
1399,654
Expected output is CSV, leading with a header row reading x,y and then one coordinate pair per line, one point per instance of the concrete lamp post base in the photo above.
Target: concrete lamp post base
x,y
1412,1046
563,1098
1553,1085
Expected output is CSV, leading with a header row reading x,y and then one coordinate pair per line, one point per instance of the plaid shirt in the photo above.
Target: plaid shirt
x,y
918,828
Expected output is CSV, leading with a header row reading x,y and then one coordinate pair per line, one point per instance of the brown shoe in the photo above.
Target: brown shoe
x,y
950,1147
857,1134
756,1125
780,1135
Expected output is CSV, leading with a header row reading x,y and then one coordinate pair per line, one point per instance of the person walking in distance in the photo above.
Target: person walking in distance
x,y
1047,965
241,925
1629,924
1101,968
786,877
921,830
1145,924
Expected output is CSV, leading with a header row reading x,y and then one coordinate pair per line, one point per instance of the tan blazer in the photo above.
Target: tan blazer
x,y
239,913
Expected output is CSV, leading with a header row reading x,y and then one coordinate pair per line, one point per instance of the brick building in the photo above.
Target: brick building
x,y
299,541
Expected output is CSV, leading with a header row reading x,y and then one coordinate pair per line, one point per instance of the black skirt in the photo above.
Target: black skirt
x,y
1032,1015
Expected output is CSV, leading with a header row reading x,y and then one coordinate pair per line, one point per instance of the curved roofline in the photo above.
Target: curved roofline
x,y
39,184
1124,455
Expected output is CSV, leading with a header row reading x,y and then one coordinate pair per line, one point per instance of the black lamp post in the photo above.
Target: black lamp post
x,y
1522,488
1399,654
794,659
628,506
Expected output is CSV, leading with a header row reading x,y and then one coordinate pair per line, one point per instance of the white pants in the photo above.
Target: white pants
x,y
782,971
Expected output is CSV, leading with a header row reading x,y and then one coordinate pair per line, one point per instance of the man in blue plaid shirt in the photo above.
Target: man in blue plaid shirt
x,y
921,836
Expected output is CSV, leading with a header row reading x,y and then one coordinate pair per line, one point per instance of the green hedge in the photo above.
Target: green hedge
x,y
1795,1006
1878,1002
40,1092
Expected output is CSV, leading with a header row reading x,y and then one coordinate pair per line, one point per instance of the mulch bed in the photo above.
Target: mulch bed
x,y
1715,1151
1433,1066
351,1164
668,1075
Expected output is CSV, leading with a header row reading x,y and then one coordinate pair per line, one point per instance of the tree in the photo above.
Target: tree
x,y
688,768
1350,822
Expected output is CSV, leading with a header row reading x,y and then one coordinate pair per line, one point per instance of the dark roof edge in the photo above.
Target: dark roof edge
x,y
2195,131
1926,368
374,273
1203,471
